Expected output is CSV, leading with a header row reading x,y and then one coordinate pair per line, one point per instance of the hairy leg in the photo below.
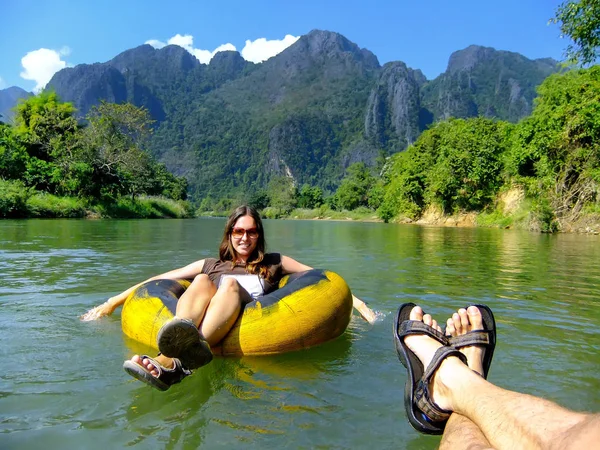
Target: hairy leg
x,y
460,432
508,419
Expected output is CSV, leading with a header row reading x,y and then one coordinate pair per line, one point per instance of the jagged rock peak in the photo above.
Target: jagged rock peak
x,y
141,51
469,57
227,57
327,43
171,54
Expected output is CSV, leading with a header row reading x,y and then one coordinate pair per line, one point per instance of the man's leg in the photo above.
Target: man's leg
x,y
460,432
507,419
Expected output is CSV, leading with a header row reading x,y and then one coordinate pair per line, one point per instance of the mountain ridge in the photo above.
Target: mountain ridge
x,y
230,126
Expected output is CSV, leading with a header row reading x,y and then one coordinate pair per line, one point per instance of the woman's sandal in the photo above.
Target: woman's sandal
x,y
485,338
180,338
166,377
423,414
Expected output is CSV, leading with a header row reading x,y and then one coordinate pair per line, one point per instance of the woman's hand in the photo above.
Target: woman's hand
x,y
105,309
366,313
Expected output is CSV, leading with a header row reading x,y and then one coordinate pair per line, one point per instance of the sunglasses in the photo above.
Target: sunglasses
x,y
238,233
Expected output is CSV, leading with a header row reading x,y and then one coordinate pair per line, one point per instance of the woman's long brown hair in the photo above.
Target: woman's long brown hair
x,y
254,264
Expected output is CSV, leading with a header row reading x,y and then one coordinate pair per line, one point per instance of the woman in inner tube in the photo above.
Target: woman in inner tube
x,y
209,307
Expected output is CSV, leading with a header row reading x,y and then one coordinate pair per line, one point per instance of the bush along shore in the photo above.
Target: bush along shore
x,y
52,165
18,201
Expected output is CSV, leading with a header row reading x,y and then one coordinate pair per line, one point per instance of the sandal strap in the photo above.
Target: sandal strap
x,y
423,397
476,337
169,376
409,327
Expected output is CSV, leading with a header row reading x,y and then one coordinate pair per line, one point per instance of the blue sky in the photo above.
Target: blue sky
x,y
38,37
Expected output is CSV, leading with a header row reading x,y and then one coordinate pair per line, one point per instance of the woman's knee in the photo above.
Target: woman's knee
x,y
201,284
231,290
229,285
201,280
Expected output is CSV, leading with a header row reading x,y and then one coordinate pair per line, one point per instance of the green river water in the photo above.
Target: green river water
x,y
62,385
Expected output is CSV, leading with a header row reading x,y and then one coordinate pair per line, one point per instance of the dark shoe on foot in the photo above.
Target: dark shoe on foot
x,y
485,338
179,338
166,377
422,413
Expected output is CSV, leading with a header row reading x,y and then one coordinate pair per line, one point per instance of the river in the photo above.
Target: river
x,y
62,384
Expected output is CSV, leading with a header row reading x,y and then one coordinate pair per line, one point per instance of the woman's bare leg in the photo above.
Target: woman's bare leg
x,y
195,300
223,310
192,305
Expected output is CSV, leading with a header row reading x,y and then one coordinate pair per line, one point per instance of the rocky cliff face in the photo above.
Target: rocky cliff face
x,y
484,81
392,117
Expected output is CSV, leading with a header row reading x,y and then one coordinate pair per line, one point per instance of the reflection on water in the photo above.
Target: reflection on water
x,y
62,383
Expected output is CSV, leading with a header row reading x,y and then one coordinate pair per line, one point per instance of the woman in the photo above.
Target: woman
x,y
211,304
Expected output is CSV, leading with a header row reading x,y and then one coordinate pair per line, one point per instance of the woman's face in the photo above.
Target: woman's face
x,y
244,237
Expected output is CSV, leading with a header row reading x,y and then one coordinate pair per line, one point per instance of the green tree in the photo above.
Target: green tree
x,y
580,21
456,164
555,151
354,188
116,139
51,136
282,194
310,197
259,199
43,121
467,172
13,154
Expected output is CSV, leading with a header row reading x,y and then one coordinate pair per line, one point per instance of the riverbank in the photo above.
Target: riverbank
x,y
22,203
512,210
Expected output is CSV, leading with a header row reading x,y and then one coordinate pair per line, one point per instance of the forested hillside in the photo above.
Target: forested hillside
x,y
319,130
231,127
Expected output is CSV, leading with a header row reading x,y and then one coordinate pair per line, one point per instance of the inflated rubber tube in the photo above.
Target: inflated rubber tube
x,y
309,308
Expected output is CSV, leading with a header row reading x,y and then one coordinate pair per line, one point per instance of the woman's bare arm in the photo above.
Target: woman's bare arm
x,y
109,306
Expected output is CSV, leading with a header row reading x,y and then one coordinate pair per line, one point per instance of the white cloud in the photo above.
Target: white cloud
x,y
187,42
256,51
2,83
41,64
155,43
261,49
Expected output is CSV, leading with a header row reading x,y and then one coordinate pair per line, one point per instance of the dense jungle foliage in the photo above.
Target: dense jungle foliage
x,y
51,166
552,155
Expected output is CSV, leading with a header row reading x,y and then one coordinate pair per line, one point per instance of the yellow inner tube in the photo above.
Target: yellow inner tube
x,y
309,308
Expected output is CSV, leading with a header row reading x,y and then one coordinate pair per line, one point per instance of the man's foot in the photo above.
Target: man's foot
x,y
424,347
462,322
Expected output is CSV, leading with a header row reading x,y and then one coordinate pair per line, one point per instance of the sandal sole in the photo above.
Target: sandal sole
x,y
180,339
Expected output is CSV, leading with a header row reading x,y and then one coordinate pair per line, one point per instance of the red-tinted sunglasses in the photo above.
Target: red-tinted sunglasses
x,y
238,233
